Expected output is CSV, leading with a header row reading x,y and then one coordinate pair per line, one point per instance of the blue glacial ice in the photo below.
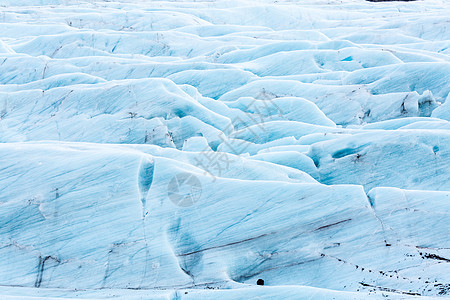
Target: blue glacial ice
x,y
185,149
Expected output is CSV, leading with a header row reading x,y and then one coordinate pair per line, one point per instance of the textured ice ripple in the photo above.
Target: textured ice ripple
x,y
186,149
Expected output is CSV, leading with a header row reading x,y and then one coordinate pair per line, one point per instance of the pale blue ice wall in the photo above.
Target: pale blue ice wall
x,y
178,145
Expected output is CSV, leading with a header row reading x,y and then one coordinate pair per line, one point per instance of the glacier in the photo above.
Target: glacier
x,y
186,149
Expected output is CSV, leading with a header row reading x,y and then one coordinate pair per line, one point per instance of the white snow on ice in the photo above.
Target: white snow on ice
x,y
186,149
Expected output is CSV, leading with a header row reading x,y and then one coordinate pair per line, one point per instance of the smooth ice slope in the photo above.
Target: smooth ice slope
x,y
185,149
288,232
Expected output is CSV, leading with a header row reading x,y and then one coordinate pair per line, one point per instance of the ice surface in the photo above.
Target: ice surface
x,y
185,149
